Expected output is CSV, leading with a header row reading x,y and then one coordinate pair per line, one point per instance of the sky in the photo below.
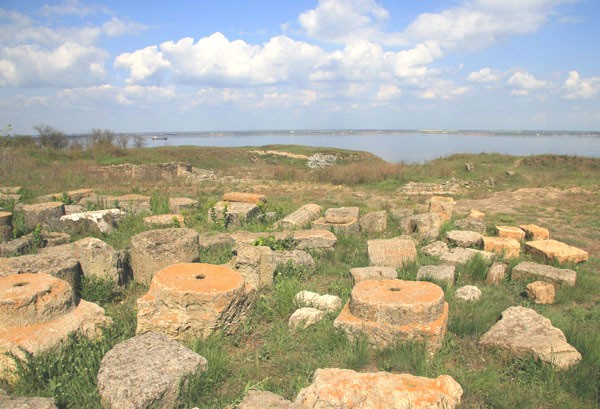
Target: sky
x,y
142,66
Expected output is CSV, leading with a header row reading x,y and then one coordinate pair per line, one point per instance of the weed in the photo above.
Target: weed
x,y
159,202
288,243
98,290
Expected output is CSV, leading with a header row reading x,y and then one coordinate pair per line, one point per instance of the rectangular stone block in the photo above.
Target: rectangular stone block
x,y
341,215
350,227
244,197
509,248
443,206
528,270
556,250
300,218
372,273
510,232
391,252
534,232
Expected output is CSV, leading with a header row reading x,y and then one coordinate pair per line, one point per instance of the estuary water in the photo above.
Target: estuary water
x,y
395,146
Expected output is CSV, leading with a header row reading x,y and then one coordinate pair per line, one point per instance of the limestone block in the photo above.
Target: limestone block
x,y
523,331
54,238
401,213
256,399
507,247
45,214
326,303
256,264
556,250
442,206
165,220
345,388
541,292
103,221
391,252
193,300
74,196
300,218
510,232
296,257
471,224
372,273
351,227
6,231
22,402
17,246
435,249
74,208
304,317
131,203
244,197
528,270
496,274
180,204
468,293
341,215
462,238
146,372
60,265
391,311
443,273
215,241
374,222
313,239
426,226
460,256
476,214
233,214
535,232
153,250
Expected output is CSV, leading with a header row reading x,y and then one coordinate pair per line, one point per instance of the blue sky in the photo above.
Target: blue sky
x,y
232,65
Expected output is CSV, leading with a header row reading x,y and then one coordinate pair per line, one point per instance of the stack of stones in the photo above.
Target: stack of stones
x,y
236,209
340,220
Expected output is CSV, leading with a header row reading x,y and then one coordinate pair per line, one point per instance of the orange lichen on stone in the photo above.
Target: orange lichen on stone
x,y
510,232
535,232
508,247
244,197
556,250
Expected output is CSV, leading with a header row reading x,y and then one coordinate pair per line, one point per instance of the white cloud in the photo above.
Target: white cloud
x,y
116,27
144,65
69,7
128,95
345,21
485,75
581,88
442,89
69,64
388,92
523,82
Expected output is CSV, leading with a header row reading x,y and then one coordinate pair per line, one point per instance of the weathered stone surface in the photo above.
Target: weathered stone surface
x,y
326,303
556,250
180,204
45,214
401,213
215,241
344,388
17,246
153,250
496,274
304,317
391,311
313,239
535,232
6,231
510,232
74,208
372,273
131,203
351,227
233,214
469,167
244,197
256,399
528,270
442,206
391,252
54,238
468,293
9,402
426,226
165,220
523,331
256,264
39,312
60,265
462,238
193,300
471,224
374,222
541,292
435,249
103,221
507,247
146,372
73,195
341,215
441,273
297,257
476,214
300,218
460,256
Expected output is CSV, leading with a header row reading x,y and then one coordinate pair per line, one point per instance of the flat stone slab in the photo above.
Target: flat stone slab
x,y
510,232
180,204
300,218
460,256
244,197
344,388
472,224
443,273
391,252
529,270
305,239
556,250
146,371
502,246
351,227
341,215
535,232
165,220
103,221
463,238
373,273
523,331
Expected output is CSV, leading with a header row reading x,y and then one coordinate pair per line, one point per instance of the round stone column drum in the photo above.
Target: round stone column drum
x,y
393,311
193,300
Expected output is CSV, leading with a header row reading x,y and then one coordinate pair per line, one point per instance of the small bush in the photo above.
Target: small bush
x,y
289,243
51,137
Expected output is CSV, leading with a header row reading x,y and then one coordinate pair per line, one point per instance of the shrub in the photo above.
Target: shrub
x,y
51,137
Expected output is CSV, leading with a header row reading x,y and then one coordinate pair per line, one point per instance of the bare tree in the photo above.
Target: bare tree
x,y
138,141
123,140
51,137
101,137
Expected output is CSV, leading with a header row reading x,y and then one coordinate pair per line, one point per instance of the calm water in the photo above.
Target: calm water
x,y
406,147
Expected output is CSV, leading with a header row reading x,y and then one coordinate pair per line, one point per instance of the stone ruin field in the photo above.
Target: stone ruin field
x,y
192,288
